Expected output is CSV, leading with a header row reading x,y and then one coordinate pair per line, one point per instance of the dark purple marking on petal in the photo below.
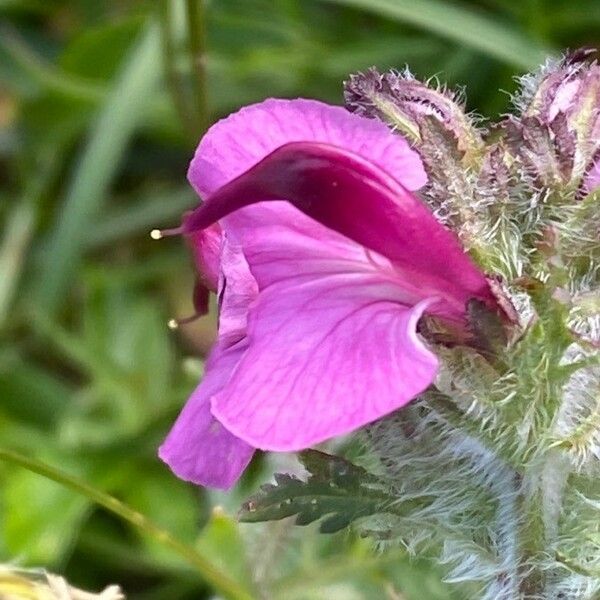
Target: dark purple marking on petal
x,y
352,196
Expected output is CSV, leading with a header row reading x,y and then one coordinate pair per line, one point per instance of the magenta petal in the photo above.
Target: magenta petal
x,y
238,289
198,448
325,357
206,246
238,142
357,199
280,242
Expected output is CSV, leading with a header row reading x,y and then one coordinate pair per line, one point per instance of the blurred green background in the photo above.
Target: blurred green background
x,y
101,104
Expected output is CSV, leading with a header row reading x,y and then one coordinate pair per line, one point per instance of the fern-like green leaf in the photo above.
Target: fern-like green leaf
x,y
336,491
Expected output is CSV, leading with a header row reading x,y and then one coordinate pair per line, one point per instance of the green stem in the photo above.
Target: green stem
x,y
220,581
174,81
531,539
196,20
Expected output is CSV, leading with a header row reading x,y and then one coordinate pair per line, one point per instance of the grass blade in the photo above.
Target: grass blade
x,y
13,250
116,123
220,581
462,25
43,73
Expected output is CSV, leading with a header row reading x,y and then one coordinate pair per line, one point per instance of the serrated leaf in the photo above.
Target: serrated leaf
x,y
336,491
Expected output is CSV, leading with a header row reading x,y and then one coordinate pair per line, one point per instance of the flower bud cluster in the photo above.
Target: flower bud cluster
x,y
509,435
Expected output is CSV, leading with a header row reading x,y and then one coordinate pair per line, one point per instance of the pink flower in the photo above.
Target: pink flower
x,y
326,263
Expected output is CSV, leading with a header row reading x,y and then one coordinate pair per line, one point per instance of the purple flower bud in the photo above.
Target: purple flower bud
x,y
409,105
557,134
